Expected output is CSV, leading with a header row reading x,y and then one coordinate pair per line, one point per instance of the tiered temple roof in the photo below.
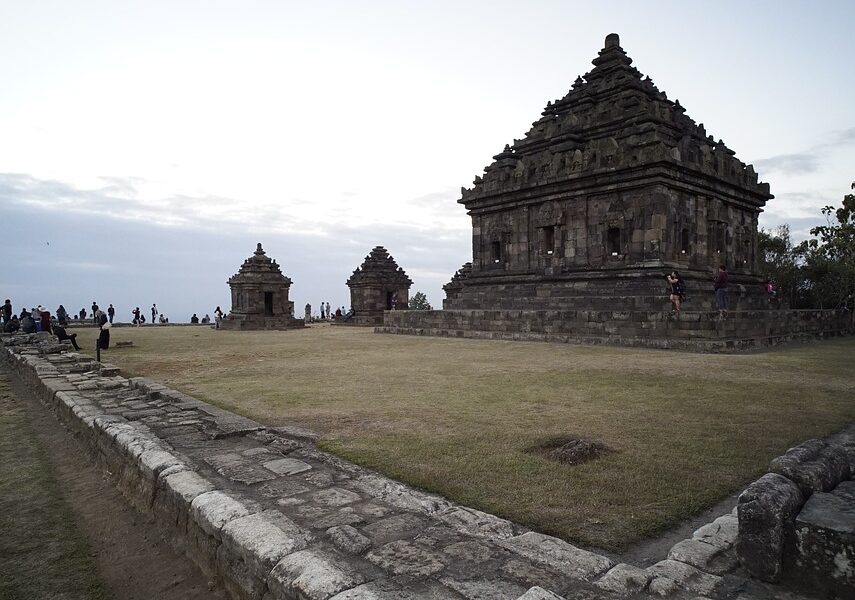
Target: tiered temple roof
x,y
259,268
379,269
613,118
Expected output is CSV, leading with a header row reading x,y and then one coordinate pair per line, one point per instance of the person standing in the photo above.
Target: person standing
x,y
153,313
677,291
136,313
322,310
329,314
82,314
111,312
94,310
720,287
7,311
218,317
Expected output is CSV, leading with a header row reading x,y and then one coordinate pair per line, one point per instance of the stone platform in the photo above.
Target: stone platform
x,y
693,331
268,516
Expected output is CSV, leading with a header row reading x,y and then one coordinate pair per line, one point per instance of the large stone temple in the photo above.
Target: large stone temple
x,y
575,226
613,186
260,296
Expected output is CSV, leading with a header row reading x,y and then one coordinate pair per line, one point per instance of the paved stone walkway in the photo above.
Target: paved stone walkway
x,y
274,517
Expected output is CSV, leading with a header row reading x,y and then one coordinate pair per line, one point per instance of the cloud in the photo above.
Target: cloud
x,y
808,161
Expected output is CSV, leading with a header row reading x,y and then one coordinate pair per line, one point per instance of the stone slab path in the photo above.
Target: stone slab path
x,y
271,516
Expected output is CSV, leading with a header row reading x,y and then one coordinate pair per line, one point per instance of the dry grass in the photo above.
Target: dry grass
x,y
457,416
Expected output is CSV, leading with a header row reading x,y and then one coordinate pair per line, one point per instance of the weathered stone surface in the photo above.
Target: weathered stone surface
x,y
668,576
484,589
384,589
721,533
348,539
287,466
709,558
379,284
538,593
624,579
824,553
238,468
476,522
312,575
394,527
212,510
335,496
767,509
558,554
814,466
405,558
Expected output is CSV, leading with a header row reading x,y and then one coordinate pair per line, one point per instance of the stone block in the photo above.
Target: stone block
x,y
538,593
405,558
709,558
348,539
624,579
484,589
823,559
767,509
313,575
558,554
212,510
814,466
669,576
721,533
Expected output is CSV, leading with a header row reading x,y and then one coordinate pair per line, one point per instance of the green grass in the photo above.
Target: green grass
x,y
42,554
457,416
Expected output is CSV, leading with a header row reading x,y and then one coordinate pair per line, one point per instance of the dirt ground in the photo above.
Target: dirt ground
x,y
132,559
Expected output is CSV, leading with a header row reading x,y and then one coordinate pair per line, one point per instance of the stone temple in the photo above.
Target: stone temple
x,y
376,286
260,296
575,226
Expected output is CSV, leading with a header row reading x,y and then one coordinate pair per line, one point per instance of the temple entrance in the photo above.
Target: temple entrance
x,y
389,300
268,304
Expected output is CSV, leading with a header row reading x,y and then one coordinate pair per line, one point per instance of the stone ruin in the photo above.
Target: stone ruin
x,y
260,296
376,286
575,227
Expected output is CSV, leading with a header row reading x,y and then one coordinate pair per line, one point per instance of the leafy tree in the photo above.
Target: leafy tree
x,y
419,302
830,256
779,261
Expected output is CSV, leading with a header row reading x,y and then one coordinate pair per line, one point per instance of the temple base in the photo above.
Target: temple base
x,y
693,331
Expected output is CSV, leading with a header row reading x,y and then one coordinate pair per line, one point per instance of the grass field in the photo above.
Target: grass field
x,y
42,553
459,417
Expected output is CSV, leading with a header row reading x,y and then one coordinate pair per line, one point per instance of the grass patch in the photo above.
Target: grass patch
x,y
458,416
42,554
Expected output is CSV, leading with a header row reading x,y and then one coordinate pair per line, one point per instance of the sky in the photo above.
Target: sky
x,y
146,147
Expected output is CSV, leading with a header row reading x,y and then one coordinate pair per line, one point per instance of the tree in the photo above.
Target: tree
x,y
419,302
830,256
779,261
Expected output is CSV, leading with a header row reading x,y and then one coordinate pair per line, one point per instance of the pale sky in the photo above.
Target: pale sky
x,y
145,147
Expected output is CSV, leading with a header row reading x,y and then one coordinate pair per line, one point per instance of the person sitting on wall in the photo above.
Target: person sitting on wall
x,y
350,314
12,325
206,319
337,313
194,319
60,332
771,291
28,325
163,320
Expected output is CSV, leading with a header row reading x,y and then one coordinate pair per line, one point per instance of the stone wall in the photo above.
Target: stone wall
x,y
697,331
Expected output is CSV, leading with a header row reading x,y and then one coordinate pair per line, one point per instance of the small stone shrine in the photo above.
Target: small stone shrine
x,y
575,227
260,296
378,285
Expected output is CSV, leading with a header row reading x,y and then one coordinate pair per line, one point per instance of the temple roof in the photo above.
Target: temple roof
x,y
379,268
612,118
259,268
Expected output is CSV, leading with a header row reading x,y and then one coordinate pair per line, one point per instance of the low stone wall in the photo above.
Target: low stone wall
x,y
797,522
696,331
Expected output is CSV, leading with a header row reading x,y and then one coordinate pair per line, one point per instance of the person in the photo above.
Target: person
x,y
12,325
161,319
94,310
720,287
771,291
322,310
62,315
111,312
153,312
350,314
82,314
100,317
677,291
7,311
329,314
194,319
206,319
142,319
104,337
28,325
44,318
337,313
218,317
60,332
137,316
394,300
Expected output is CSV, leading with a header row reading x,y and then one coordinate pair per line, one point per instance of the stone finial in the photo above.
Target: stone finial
x,y
258,249
612,40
